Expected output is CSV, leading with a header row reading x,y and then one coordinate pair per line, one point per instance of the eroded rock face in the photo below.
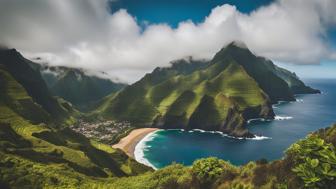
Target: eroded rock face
x,y
262,111
234,124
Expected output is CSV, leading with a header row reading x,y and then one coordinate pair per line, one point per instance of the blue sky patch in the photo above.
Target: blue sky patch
x,y
174,11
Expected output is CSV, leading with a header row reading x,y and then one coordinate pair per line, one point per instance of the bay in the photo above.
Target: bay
x,y
294,121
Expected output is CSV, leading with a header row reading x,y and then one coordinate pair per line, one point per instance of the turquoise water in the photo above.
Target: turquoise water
x,y
308,114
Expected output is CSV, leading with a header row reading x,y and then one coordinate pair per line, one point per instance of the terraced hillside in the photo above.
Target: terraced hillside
x,y
220,94
38,150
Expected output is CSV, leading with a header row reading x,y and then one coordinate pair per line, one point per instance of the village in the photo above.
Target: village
x,y
108,132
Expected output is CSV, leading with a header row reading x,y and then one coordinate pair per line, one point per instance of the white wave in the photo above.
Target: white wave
x,y
299,100
256,119
141,147
256,137
228,136
279,118
203,131
200,130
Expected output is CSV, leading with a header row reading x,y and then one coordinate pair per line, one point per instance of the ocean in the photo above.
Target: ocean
x,y
294,121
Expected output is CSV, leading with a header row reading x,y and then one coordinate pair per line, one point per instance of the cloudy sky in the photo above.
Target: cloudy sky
x,y
127,38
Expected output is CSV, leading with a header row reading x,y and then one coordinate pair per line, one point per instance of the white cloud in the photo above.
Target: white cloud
x,y
84,34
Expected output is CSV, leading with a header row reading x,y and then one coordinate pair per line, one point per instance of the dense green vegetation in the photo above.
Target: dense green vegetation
x,y
163,101
220,94
39,150
18,68
314,151
315,161
280,174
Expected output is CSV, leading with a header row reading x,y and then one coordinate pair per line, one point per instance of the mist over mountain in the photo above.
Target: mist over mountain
x,y
77,86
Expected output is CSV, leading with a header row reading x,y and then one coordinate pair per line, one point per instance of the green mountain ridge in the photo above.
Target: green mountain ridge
x,y
16,67
260,68
221,94
76,86
37,147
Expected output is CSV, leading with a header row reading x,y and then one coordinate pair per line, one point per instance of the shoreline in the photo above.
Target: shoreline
x,y
134,143
128,143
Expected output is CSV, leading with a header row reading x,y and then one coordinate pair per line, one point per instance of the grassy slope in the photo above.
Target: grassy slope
x,y
36,155
14,96
257,67
170,97
203,174
178,96
18,67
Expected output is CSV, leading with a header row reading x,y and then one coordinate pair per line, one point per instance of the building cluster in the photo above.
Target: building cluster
x,y
103,131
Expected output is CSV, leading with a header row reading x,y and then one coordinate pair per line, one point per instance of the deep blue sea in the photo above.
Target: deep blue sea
x,y
307,114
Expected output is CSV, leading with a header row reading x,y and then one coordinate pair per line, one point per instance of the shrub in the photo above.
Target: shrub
x,y
248,169
208,170
314,162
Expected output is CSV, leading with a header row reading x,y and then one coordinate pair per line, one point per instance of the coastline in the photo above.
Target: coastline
x,y
128,143
135,142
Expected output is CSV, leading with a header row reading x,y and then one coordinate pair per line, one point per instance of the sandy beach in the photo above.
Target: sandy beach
x,y
128,143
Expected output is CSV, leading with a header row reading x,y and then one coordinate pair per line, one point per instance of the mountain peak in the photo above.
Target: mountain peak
x,y
233,49
239,44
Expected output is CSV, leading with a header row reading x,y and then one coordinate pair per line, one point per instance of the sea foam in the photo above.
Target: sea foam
x,y
299,100
141,147
257,119
256,137
279,118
